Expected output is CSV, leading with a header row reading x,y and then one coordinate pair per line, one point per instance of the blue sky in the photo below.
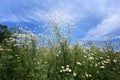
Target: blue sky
x,y
92,18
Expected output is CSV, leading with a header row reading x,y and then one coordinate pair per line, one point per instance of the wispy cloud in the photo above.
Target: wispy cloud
x,y
78,11
107,26
35,10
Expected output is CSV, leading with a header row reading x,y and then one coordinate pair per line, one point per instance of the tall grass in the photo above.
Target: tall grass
x,y
50,56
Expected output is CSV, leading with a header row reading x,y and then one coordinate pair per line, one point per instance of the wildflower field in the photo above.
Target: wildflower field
x,y
54,56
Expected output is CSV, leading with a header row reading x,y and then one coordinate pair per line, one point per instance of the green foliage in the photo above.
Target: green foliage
x,y
4,33
22,58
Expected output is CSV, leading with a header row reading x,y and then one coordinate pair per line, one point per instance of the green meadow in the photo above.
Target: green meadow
x,y
54,56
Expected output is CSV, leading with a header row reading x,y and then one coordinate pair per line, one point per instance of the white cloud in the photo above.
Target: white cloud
x,y
14,18
107,26
29,10
78,9
75,10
